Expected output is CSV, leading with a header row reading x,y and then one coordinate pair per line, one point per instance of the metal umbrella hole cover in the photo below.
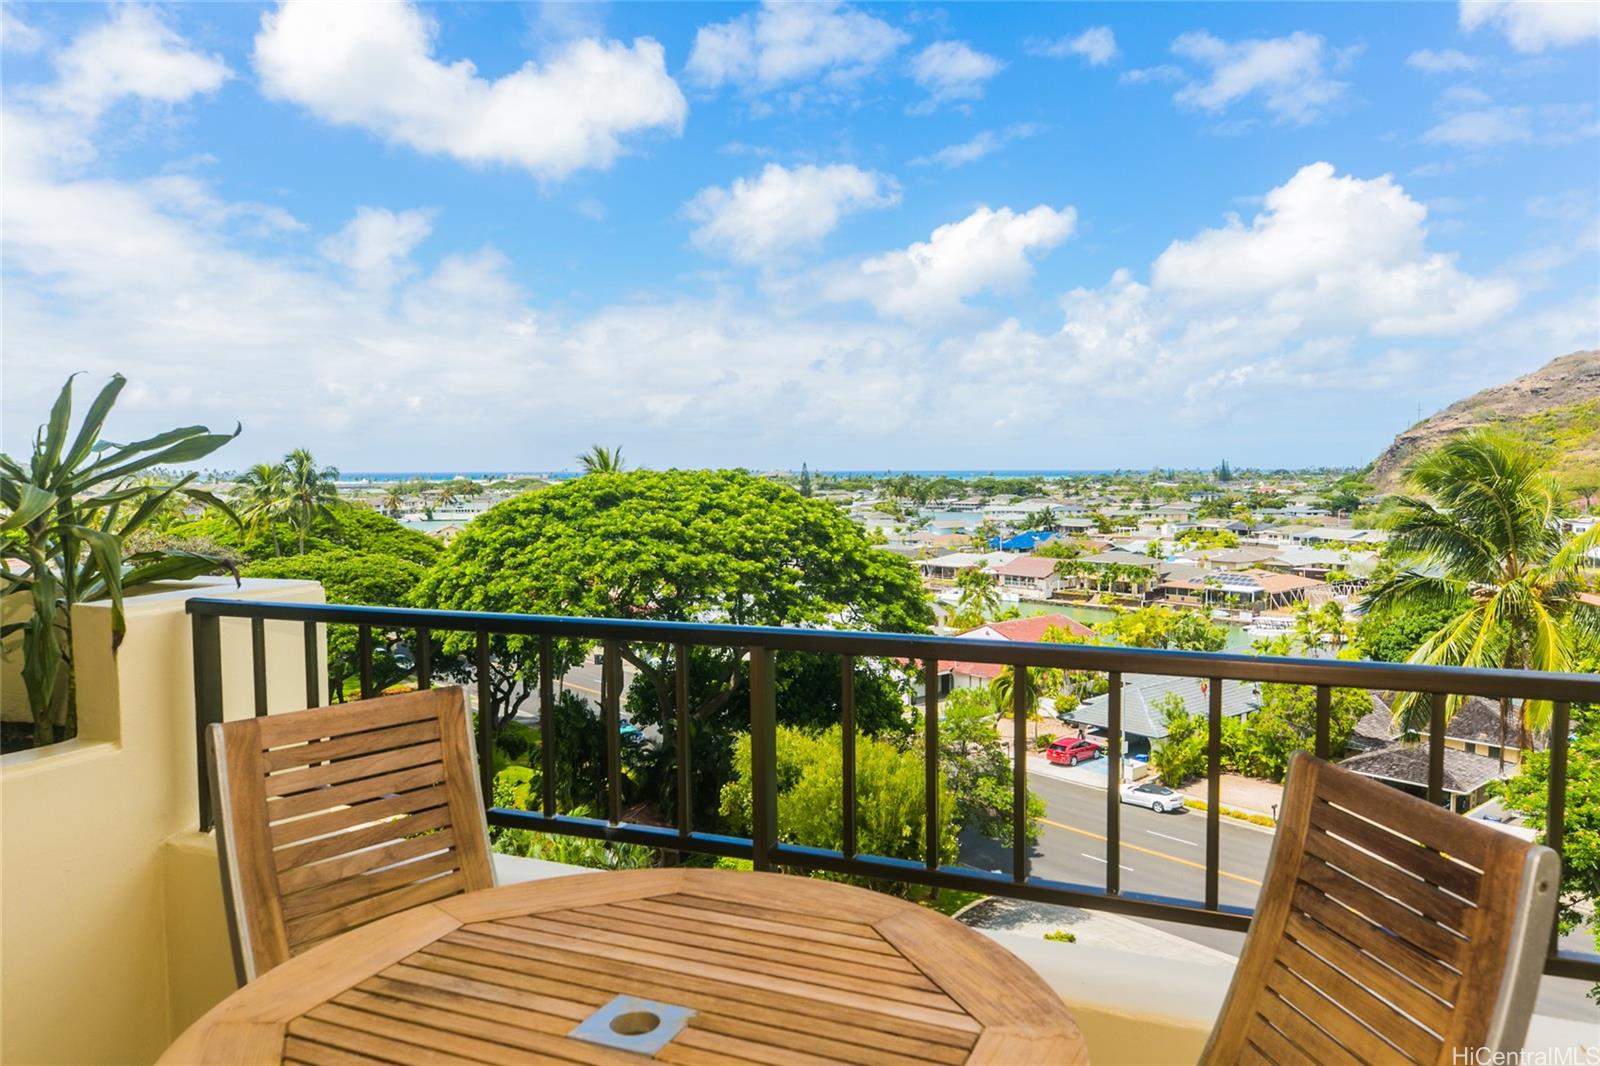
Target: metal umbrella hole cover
x,y
633,1024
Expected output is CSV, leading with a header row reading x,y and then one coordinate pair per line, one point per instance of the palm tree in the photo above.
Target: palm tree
x,y
980,593
1003,689
311,490
262,498
1480,538
394,501
601,460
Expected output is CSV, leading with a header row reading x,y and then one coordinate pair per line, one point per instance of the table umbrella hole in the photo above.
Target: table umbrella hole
x,y
633,1024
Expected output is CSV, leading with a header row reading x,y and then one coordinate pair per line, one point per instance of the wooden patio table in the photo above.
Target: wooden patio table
x,y
770,968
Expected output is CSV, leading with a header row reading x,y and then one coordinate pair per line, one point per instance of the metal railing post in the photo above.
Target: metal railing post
x,y
763,756
1021,855
1114,785
1213,791
485,721
611,715
680,701
207,651
313,670
547,727
258,663
847,753
1555,829
930,760
1436,710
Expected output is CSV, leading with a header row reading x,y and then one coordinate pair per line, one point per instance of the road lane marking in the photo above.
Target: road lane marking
x,y
1153,853
1179,840
1102,862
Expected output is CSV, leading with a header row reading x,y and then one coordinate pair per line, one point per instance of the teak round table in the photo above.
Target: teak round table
x,y
684,965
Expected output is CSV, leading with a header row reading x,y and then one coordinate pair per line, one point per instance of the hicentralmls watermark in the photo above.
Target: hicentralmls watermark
x,y
1550,1056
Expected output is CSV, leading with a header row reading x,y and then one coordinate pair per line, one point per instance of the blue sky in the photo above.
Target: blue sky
x,y
969,236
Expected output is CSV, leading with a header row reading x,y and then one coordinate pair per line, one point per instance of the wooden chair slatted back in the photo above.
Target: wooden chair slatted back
x,y
332,817
1388,930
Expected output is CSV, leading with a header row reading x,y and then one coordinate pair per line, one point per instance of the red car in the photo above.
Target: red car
x,y
1072,751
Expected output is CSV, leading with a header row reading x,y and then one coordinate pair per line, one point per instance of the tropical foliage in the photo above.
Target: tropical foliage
x,y
69,510
890,809
1479,537
601,460
1161,627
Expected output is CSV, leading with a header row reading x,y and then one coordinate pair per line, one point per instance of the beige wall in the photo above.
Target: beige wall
x,y
111,930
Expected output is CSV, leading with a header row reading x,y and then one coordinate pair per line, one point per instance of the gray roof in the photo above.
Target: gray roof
x,y
1121,558
1477,719
1141,694
1464,773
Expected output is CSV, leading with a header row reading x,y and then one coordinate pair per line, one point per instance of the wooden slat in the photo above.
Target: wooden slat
x,y
1420,896
1405,853
719,1010
423,1036
733,938
1019,1044
365,716
661,910
360,814
1380,979
340,795
373,1045
289,782
368,910
1449,833
846,973
467,804
364,886
934,1007
936,1026
1318,1046
1376,1014
1421,968
560,893
513,1033
369,848
1346,1031
297,1049
344,747
1274,1046
798,918
974,971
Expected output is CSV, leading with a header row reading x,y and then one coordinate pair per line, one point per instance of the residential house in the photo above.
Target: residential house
x,y
1144,703
1031,575
949,567
955,674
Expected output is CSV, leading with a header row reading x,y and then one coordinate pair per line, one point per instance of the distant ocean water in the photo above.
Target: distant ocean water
x,y
491,475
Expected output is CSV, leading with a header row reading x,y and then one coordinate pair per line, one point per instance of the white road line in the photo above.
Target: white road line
x,y
1179,840
1102,862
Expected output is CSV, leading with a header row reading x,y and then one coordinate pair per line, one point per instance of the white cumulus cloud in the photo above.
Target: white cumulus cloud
x,y
1097,45
376,244
984,143
1534,25
1289,74
791,42
953,70
782,209
136,54
372,66
1327,247
1444,61
989,249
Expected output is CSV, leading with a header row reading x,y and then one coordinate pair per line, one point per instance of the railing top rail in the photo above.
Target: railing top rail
x,y
1493,684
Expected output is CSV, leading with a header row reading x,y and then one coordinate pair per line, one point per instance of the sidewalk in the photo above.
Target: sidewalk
x,y
1092,928
1246,794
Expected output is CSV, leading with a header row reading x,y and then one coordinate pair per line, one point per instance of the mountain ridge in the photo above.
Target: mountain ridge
x,y
1558,405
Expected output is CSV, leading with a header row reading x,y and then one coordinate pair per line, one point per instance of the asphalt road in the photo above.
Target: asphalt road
x,y
1165,854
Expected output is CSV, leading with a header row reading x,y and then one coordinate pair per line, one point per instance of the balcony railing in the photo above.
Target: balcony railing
x,y
761,644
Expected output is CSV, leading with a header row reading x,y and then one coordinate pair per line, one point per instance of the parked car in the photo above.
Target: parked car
x,y
1158,798
1070,751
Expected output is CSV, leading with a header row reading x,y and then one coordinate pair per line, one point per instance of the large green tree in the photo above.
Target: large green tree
x,y
1479,534
370,578
682,545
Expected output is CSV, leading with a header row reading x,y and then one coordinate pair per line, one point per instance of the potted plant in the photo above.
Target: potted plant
x,y
65,515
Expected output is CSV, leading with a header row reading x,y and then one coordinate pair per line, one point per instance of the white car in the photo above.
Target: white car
x,y
1158,798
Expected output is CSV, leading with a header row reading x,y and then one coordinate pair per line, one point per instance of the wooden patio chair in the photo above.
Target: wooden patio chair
x,y
330,818
1388,931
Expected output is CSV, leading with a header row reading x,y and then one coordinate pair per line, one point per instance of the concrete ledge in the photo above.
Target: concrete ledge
x,y
514,869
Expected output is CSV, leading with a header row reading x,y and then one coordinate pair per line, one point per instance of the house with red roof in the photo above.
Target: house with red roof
x,y
954,674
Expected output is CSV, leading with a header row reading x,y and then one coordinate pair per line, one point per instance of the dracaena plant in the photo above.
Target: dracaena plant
x,y
65,515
